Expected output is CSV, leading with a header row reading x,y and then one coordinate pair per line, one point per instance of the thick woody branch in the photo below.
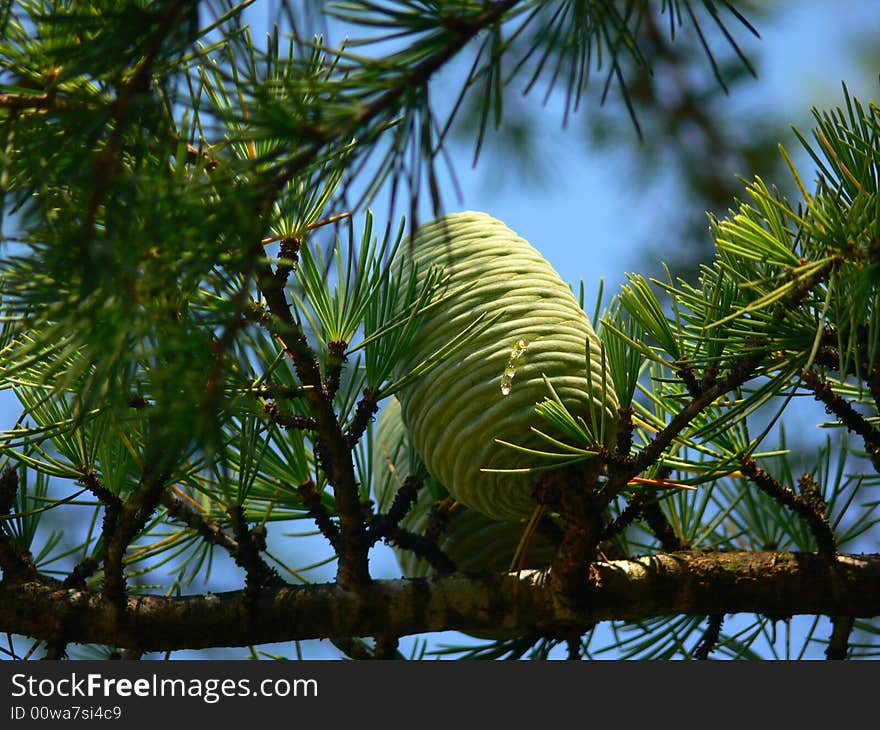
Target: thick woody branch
x,y
707,583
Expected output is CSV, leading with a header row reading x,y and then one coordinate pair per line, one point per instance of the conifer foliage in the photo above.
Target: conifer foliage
x,y
201,320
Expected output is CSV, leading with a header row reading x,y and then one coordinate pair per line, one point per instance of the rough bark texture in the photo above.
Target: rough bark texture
x,y
771,583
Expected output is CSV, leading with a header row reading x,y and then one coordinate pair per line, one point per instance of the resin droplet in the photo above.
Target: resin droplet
x,y
519,347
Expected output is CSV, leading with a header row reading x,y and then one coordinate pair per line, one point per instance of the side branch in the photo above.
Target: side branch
x,y
333,452
837,406
698,582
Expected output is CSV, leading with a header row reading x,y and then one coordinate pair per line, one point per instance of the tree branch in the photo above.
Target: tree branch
x,y
330,445
837,406
15,561
806,506
132,517
699,582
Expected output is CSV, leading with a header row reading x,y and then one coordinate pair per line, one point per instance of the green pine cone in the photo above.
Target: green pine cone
x,y
471,540
488,389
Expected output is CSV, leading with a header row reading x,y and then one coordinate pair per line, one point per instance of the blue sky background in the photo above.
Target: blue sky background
x,y
592,212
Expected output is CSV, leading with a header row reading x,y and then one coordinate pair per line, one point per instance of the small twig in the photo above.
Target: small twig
x,y
625,432
386,647
90,480
387,526
423,547
112,509
660,526
404,499
289,253
810,506
867,368
742,371
703,393
685,371
838,643
805,508
310,227
364,412
132,517
15,561
332,452
646,507
630,514
112,504
835,405
710,637
335,360
439,517
318,512
81,572
209,531
286,419
213,534
258,573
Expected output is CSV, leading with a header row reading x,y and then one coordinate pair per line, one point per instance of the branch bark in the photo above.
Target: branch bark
x,y
693,582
